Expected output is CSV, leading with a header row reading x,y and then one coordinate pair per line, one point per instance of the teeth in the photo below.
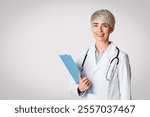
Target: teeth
x,y
100,35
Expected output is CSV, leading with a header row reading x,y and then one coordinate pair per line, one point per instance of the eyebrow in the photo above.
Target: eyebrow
x,y
98,23
94,23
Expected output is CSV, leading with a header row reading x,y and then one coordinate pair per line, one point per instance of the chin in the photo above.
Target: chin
x,y
100,39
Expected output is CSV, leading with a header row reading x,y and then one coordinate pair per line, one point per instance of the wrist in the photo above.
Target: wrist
x,y
79,91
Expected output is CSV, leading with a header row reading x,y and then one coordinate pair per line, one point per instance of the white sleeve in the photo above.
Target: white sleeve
x,y
74,89
124,78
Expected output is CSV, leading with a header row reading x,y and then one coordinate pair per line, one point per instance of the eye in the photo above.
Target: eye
x,y
95,25
105,25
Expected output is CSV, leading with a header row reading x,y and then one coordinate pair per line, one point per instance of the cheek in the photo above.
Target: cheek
x,y
94,30
106,31
93,33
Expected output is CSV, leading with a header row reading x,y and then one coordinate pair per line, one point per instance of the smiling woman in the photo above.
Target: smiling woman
x,y
34,32
106,70
102,24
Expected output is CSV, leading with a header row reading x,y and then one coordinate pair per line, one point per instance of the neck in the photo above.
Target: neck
x,y
102,45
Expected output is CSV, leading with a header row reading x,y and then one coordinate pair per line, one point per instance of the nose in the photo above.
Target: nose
x,y
100,29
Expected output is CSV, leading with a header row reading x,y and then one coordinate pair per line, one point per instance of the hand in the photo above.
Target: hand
x,y
84,84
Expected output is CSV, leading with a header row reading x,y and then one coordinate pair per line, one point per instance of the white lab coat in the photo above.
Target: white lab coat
x,y
119,87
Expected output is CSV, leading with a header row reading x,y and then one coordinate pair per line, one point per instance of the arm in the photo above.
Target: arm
x,y
125,78
84,83
80,89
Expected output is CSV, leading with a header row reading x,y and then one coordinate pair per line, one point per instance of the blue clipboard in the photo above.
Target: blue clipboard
x,y
72,68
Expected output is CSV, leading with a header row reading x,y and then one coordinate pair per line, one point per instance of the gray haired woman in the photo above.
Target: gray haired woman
x,y
105,70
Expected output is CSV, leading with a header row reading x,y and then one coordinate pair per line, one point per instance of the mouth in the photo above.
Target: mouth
x,y
100,34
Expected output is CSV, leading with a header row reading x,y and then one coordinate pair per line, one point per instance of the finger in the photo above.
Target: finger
x,y
87,87
84,79
87,83
80,78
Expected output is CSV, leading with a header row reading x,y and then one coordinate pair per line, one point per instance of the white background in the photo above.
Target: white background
x,y
34,32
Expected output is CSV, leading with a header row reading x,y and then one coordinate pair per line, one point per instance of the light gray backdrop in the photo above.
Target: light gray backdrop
x,y
34,32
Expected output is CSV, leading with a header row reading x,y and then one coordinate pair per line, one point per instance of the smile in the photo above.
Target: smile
x,y
100,35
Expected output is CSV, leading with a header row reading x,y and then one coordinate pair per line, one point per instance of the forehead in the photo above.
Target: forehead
x,y
98,21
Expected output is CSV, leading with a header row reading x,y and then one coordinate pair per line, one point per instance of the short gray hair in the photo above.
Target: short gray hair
x,y
105,16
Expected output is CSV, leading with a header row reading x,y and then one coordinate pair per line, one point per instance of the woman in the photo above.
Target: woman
x,y
104,68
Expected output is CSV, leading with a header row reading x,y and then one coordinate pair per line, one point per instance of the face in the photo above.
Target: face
x,y
101,30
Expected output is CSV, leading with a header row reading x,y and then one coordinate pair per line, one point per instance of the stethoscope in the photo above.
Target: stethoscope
x,y
112,65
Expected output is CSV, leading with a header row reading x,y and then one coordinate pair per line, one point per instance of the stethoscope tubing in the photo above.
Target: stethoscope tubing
x,y
116,57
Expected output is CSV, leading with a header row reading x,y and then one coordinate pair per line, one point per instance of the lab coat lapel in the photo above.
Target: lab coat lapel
x,y
106,58
92,56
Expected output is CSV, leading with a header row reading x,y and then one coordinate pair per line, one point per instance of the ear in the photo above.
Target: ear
x,y
111,30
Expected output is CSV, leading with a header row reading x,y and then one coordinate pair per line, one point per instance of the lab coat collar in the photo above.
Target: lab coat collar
x,y
106,58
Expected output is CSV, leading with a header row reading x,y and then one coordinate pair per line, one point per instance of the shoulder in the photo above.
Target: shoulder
x,y
80,57
123,54
124,63
82,54
123,57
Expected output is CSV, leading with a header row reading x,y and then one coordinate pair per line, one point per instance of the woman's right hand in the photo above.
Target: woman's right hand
x,y
84,84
